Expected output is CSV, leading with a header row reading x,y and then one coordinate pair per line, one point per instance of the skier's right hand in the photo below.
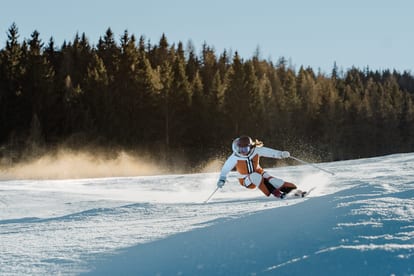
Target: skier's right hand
x,y
221,182
285,154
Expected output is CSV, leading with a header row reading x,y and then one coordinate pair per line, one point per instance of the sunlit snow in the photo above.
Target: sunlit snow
x,y
358,222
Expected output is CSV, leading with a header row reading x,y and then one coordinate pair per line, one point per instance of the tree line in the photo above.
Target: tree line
x,y
165,98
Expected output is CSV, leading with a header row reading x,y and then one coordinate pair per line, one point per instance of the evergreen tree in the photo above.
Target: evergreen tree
x,y
236,99
406,123
329,125
38,86
290,118
13,69
71,77
269,119
208,68
199,122
179,101
193,65
166,78
310,101
109,52
127,92
276,111
216,110
143,96
255,111
97,97
148,90
160,53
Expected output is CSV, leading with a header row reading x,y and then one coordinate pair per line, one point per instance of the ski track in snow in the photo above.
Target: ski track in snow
x,y
51,227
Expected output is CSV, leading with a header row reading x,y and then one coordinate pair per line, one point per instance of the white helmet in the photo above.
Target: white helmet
x,y
243,145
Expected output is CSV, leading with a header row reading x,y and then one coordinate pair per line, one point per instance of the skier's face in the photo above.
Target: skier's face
x,y
244,150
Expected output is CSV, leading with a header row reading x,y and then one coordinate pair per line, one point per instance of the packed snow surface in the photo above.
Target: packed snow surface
x,y
358,222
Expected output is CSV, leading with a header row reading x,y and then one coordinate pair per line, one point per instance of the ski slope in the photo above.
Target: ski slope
x,y
358,222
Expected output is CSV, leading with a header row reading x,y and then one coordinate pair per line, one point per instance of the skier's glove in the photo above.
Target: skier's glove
x,y
285,154
221,182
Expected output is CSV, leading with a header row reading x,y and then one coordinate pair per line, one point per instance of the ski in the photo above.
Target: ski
x,y
306,193
297,193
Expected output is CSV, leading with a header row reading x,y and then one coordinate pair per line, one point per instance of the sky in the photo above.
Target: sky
x,y
377,34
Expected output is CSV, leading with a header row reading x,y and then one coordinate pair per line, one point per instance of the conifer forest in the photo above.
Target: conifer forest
x,y
171,101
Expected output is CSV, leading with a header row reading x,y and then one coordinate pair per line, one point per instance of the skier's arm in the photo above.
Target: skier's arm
x,y
227,167
272,153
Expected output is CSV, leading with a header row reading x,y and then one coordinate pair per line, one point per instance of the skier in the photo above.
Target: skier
x,y
245,158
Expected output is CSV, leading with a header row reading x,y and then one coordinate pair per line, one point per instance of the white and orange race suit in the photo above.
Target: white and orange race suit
x,y
249,169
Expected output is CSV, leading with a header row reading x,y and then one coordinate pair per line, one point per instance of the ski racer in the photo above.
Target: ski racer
x,y
245,157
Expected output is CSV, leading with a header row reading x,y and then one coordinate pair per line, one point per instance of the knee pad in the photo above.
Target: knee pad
x,y
254,178
276,182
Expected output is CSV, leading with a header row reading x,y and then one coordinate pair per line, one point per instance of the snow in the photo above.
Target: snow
x,y
358,222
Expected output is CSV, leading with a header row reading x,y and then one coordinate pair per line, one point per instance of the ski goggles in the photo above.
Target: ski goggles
x,y
244,150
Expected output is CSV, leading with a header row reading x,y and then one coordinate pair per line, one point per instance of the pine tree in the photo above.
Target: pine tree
x,y
269,108
97,97
13,69
193,65
329,124
109,52
253,121
38,85
166,78
127,92
148,90
236,98
406,124
216,110
276,111
179,101
199,114
208,68
308,103
159,54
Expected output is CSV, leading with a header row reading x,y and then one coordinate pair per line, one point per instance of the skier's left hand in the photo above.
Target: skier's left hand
x,y
285,154
221,182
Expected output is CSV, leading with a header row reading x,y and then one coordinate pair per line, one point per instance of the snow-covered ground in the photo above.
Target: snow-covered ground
x,y
358,222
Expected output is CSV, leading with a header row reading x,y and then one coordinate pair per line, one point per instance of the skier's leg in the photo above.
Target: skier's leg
x,y
254,180
277,186
287,187
246,183
251,181
273,184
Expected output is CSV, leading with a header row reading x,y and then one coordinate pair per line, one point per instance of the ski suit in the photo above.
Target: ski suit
x,y
251,174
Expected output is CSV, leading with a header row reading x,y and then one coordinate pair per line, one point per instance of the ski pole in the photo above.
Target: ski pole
x,y
313,165
211,195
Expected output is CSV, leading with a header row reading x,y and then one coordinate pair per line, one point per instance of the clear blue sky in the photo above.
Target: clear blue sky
x,y
374,33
